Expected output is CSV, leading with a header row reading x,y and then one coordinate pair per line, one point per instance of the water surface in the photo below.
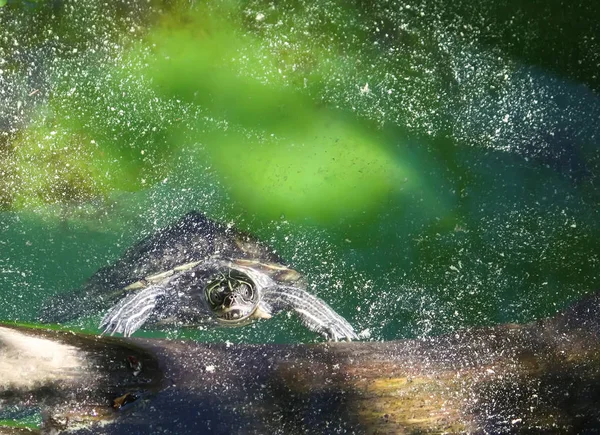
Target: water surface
x,y
423,175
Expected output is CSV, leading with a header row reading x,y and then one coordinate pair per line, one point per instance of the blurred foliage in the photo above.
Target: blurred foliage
x,y
279,154
262,94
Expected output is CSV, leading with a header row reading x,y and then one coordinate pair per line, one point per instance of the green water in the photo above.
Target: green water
x,y
423,176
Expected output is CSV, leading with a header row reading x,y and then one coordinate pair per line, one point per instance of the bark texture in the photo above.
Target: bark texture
x,y
538,377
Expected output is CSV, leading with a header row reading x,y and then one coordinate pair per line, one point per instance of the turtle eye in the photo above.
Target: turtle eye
x,y
246,290
215,293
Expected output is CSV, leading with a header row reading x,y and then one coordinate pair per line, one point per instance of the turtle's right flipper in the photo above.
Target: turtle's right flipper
x,y
314,312
132,311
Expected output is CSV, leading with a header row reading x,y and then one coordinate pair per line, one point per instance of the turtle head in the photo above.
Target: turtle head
x,y
233,297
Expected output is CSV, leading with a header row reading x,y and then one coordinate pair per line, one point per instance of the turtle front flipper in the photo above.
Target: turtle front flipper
x,y
314,312
132,311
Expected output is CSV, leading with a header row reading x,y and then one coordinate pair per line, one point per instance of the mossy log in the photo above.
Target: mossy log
x,y
538,377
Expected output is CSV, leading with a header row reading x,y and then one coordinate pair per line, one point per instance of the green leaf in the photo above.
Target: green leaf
x,y
3,2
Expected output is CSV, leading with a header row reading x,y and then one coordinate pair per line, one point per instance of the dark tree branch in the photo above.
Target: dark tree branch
x,y
538,377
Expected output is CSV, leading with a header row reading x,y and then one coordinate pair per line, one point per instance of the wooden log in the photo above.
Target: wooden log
x,y
538,377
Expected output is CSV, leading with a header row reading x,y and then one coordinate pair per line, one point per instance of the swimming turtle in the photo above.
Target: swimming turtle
x,y
197,271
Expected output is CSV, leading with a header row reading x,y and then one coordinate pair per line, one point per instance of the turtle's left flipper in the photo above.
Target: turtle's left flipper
x,y
314,312
132,311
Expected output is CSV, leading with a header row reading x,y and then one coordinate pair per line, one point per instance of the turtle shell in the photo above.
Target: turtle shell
x,y
193,238
184,244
